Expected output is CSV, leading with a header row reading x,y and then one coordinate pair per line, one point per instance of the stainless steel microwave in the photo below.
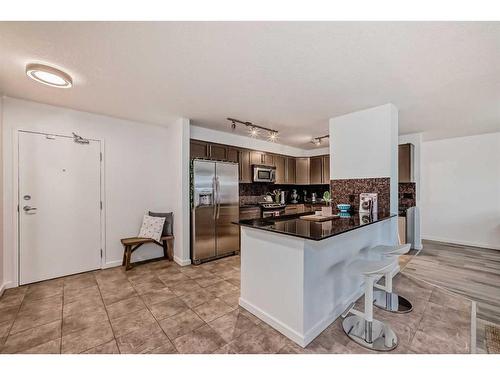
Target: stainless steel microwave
x,y
264,173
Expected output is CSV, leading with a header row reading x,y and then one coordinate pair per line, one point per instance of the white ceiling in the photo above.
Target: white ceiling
x,y
291,76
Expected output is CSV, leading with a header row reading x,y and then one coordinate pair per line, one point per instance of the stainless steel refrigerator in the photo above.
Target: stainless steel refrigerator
x,y
215,207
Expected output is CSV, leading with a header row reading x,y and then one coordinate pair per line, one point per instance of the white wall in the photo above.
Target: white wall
x,y
2,281
461,190
237,140
364,144
145,167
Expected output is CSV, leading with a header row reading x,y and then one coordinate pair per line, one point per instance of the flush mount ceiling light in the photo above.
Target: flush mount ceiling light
x,y
317,141
255,130
49,76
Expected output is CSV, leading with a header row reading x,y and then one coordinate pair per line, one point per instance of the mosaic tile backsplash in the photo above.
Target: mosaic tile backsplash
x,y
407,196
348,190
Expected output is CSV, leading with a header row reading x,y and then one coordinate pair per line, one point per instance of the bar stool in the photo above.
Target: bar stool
x,y
383,297
361,327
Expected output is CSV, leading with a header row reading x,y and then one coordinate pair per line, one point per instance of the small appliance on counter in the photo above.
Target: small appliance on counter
x,y
294,197
368,203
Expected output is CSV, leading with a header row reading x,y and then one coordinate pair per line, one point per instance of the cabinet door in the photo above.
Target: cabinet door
x,y
198,149
405,160
326,169
279,162
316,170
256,157
249,213
402,230
232,155
290,171
245,166
268,159
302,174
218,152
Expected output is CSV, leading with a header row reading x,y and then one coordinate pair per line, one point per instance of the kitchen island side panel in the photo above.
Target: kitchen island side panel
x,y
272,279
329,287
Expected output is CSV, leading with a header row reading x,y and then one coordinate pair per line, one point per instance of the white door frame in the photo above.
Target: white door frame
x,y
16,213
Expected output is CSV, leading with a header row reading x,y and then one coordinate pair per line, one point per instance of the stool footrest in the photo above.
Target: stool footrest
x,y
381,337
391,302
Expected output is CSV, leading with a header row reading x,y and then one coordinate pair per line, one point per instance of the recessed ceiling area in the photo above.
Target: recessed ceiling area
x,y
290,76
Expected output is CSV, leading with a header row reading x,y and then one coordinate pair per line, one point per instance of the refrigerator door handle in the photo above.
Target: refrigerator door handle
x,y
218,196
214,189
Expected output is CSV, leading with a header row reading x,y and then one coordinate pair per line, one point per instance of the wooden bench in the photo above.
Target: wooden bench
x,y
132,244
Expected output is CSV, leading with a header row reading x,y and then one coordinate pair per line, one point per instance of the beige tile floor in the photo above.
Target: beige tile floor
x,y
160,307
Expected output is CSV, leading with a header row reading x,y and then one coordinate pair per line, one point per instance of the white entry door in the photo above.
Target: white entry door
x,y
59,206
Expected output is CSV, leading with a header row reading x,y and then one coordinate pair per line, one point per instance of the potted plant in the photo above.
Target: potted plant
x,y
327,210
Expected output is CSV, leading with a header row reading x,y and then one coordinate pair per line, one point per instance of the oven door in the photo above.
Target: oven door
x,y
273,213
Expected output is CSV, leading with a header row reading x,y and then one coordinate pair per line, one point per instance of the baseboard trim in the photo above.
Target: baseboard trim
x,y
455,242
182,262
2,288
276,324
114,263
297,337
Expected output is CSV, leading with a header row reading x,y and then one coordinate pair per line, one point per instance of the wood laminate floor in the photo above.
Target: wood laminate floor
x,y
470,271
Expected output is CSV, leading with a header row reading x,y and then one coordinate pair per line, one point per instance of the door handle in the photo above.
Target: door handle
x,y
214,199
218,197
29,209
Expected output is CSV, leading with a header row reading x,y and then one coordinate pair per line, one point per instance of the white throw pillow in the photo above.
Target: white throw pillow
x,y
152,227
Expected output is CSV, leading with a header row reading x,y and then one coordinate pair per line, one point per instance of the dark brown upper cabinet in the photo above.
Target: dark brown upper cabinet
x,y
326,169
290,172
302,176
233,154
261,158
245,166
405,160
218,152
279,163
268,159
256,157
198,149
316,170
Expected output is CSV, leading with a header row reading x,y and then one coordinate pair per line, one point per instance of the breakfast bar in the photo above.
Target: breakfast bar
x,y
295,272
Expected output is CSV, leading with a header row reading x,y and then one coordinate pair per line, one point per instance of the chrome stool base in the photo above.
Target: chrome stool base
x,y
383,337
391,302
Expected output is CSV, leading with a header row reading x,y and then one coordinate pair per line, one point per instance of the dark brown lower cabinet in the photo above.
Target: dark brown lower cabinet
x,y
247,213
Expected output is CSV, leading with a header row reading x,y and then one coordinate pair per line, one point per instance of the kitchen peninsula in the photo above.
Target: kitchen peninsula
x,y
294,272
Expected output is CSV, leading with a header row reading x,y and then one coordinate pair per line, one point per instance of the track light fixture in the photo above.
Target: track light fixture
x,y
317,141
255,130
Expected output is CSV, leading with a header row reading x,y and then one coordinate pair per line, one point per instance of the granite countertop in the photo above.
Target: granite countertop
x,y
292,225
